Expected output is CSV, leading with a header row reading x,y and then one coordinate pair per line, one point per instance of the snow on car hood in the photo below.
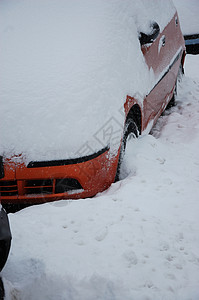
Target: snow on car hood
x,y
65,69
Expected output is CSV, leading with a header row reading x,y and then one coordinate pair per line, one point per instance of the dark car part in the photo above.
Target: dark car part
x,y
130,129
65,162
192,43
147,38
5,238
2,292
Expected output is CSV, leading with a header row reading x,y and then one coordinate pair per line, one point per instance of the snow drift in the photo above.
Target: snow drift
x,y
137,240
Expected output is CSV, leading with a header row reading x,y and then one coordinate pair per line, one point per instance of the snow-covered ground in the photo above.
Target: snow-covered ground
x,y
138,240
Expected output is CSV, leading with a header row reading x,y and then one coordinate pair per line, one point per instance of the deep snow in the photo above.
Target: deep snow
x,y
136,241
66,69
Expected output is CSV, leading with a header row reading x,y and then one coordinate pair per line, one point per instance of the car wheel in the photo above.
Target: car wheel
x,y
4,251
172,102
130,131
2,293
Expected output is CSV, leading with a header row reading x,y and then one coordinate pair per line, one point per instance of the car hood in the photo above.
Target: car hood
x,y
65,72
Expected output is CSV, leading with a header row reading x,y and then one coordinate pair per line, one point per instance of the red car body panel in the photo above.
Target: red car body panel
x,y
165,60
94,176
36,184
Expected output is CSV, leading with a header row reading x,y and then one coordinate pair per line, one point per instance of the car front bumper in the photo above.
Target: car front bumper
x,y
40,182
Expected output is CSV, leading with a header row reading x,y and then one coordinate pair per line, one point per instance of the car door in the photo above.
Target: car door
x,y
163,55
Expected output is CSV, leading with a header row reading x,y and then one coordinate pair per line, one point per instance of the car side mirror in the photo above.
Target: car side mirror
x,y
147,38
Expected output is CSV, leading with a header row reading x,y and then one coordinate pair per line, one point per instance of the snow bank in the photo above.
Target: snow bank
x,y
66,68
137,240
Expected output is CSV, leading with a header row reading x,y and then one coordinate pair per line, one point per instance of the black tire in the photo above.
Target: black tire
x,y
131,129
5,237
172,102
4,251
2,293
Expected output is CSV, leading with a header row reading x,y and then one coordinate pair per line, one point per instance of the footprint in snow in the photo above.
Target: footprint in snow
x,y
170,257
131,258
164,246
170,276
100,236
180,237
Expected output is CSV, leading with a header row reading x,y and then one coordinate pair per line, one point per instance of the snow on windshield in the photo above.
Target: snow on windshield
x,y
66,68
188,11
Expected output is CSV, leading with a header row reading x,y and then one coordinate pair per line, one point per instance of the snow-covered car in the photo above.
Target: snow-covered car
x,y
188,11
5,237
77,78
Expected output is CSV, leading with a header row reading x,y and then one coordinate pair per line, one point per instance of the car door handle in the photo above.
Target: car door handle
x,y
163,40
162,43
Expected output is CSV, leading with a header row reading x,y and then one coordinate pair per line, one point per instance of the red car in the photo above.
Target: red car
x,y
161,50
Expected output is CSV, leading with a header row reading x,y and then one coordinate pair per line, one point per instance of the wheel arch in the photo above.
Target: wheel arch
x,y
183,60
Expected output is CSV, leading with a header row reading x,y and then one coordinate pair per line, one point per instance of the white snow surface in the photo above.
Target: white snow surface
x,y
137,240
188,11
66,68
